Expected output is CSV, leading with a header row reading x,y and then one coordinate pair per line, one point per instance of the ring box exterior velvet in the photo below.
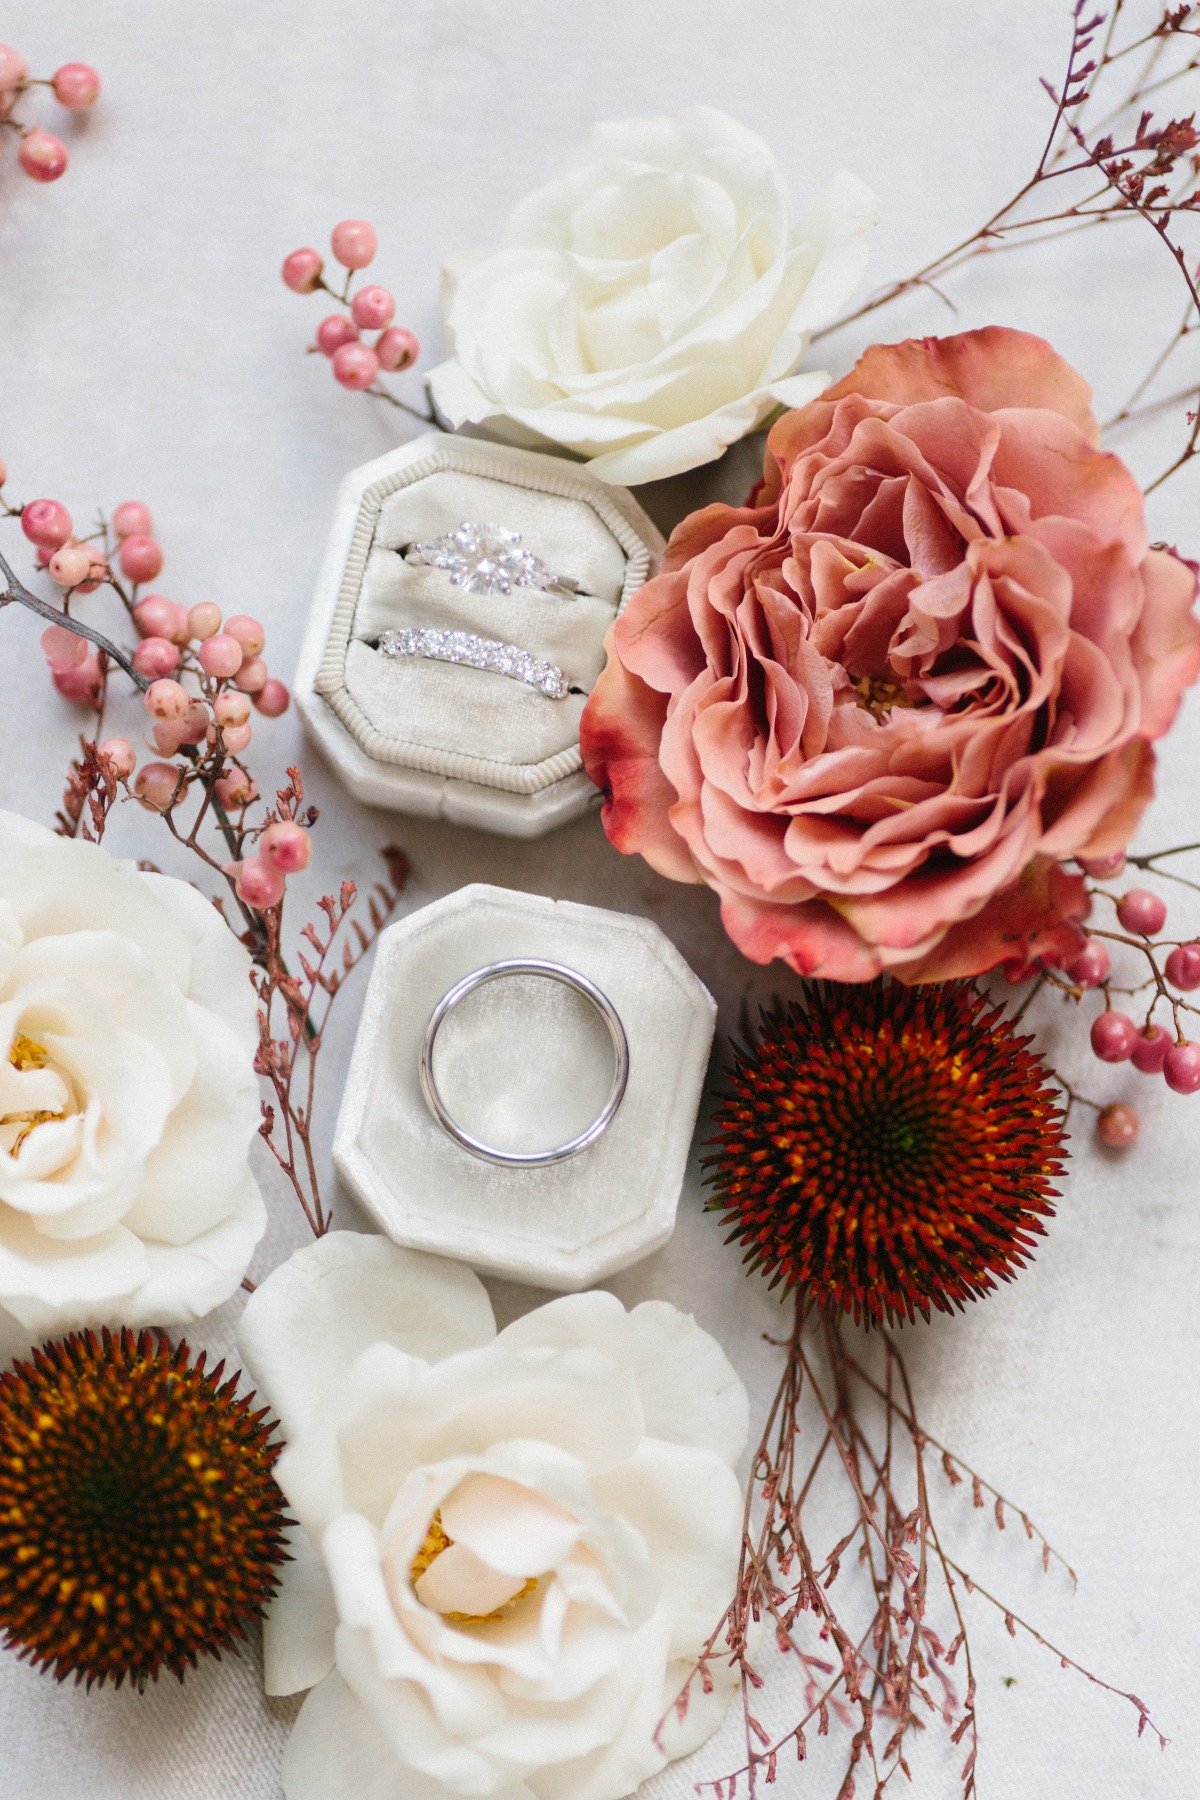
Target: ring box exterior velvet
x,y
443,740
565,1226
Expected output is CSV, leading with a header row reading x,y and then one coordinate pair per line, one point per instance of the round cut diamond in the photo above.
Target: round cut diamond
x,y
484,559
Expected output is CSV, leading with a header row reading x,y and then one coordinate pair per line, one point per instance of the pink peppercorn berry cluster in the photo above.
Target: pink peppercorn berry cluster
x,y
356,363
1141,915
76,86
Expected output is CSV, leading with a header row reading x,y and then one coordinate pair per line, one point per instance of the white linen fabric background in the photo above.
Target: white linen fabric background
x,y
147,349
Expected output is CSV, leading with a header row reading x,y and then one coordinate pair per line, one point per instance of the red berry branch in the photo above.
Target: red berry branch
x,y
76,86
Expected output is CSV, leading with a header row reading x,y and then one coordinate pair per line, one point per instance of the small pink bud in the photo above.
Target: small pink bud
x,y
156,784
132,519
156,657
220,656
141,558
286,846
354,243
156,616
1090,966
231,708
80,684
1101,867
259,885
301,271
14,68
76,86
1117,1126
1113,1036
397,348
1181,1067
70,565
1182,967
46,523
250,633
1150,1050
252,676
63,649
119,755
372,308
204,621
335,331
236,789
167,700
272,698
356,366
42,155
1142,911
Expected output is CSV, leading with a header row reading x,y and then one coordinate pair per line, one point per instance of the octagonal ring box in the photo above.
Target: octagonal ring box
x,y
441,739
524,1063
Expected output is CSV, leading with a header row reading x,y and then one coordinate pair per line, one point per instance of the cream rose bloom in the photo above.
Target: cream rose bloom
x,y
651,305
513,1546
128,1097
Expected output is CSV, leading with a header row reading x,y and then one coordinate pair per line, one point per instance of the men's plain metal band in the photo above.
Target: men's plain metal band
x,y
568,977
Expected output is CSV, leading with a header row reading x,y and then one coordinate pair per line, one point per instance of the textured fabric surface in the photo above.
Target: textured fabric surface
x,y
147,348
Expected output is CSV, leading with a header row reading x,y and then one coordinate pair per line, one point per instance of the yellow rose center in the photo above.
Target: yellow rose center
x,y
436,1542
25,1053
879,694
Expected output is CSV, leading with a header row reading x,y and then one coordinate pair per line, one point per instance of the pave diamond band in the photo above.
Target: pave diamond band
x,y
439,645
489,559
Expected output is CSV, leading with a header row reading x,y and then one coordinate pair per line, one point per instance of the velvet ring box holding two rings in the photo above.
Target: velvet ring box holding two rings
x,y
524,1086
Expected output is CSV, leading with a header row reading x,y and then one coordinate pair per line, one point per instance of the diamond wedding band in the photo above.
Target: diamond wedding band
x,y
438,645
488,559
567,977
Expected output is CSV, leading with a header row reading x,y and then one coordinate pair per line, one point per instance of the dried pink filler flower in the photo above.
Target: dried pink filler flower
x,y
877,707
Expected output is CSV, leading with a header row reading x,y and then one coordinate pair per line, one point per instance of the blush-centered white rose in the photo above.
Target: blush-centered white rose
x,y
128,1098
513,1545
652,304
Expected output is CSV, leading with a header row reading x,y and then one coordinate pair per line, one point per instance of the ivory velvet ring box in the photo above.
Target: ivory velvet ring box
x,y
524,1063
430,688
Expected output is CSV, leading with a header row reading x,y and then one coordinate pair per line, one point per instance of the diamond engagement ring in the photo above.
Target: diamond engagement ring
x,y
487,559
439,645
566,977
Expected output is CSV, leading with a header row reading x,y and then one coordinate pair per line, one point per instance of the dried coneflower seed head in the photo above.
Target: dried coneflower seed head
x,y
888,1149
140,1522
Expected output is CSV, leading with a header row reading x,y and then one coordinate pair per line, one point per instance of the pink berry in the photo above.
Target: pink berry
x,y
397,348
252,676
43,155
1142,911
1101,867
156,616
98,570
272,698
1182,967
3,471
1150,1050
156,657
168,735
356,366
335,331
76,86
70,565
250,633
231,708
286,846
1117,1126
1090,966
373,307
354,243
220,656
302,271
204,620
237,738
196,725
259,885
141,557
63,649
156,784
46,523
14,69
132,519
1181,1067
119,755
1113,1036
236,789
167,700
82,683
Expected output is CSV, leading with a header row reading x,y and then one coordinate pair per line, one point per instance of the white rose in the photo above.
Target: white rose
x,y
650,306
128,1098
515,1545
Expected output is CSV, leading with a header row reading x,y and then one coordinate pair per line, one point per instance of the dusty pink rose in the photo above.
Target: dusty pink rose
x,y
876,708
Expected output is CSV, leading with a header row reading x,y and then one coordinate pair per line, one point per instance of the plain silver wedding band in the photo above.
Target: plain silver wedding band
x,y
567,977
